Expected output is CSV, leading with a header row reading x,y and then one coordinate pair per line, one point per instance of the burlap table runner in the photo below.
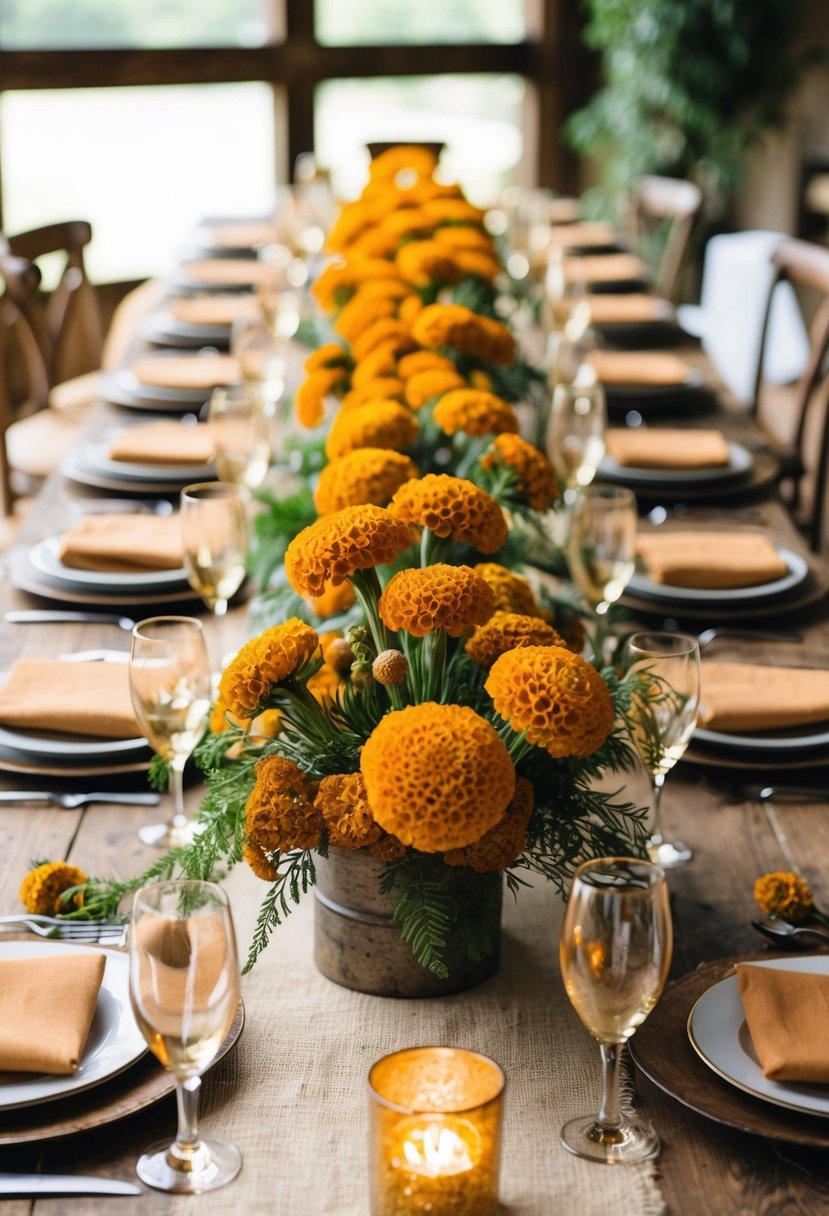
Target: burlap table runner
x,y
293,1096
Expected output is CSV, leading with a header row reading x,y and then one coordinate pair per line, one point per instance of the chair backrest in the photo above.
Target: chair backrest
x,y
663,209
19,281
806,265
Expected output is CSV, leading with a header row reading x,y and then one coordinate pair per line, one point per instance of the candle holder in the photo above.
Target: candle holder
x,y
435,1133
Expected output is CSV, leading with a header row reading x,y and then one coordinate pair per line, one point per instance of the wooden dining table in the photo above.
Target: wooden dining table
x,y
705,1169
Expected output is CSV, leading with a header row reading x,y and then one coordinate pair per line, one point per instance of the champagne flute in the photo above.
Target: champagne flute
x,y
215,536
663,718
240,430
184,991
602,549
578,421
615,951
170,688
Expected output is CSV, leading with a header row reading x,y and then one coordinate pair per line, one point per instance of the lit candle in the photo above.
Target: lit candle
x,y
435,1133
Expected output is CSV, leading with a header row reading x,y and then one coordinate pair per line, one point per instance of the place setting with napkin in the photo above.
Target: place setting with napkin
x,y
169,381
626,319
685,461
155,457
635,378
190,322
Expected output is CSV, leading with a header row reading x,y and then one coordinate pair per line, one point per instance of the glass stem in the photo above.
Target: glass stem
x,y
177,790
609,1118
186,1144
658,783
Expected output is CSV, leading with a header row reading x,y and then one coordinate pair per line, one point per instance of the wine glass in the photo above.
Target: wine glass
x,y
184,991
240,430
578,421
662,719
170,688
602,549
215,538
281,289
615,951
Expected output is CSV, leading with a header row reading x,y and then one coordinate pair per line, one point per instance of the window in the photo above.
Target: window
x,y
61,24
351,22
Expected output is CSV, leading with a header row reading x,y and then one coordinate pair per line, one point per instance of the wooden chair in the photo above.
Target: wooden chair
x,y
660,212
798,417
19,280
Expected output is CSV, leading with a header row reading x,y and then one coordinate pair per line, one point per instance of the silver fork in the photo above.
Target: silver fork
x,y
70,801
113,933
747,635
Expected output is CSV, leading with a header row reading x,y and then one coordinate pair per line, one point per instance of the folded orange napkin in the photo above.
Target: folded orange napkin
x,y
747,697
74,698
123,544
661,447
241,236
588,232
787,1013
639,367
186,371
46,1009
604,268
629,308
209,310
226,271
563,210
710,560
163,443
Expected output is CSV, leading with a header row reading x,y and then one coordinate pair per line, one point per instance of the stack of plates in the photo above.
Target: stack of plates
x,y
92,466
649,397
48,753
124,388
742,473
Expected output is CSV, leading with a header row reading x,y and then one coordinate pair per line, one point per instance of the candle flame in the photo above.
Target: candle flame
x,y
436,1150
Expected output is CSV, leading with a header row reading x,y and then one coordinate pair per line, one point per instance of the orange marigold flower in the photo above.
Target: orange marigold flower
x,y
417,159
536,478
500,846
217,722
339,279
330,354
387,848
390,667
333,600
422,361
473,412
267,725
409,222
380,363
264,661
364,475
342,802
383,388
372,243
324,684
453,209
42,888
479,379
359,313
423,386
280,814
309,401
387,330
784,894
437,776
464,236
426,262
390,288
454,325
377,424
332,548
505,631
452,598
512,592
453,507
480,265
410,308
555,697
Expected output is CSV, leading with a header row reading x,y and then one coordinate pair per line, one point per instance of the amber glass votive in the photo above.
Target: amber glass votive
x,y
435,1133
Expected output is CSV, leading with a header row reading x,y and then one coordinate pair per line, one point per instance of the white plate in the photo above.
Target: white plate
x,y
738,467
798,571
96,458
114,1042
795,741
44,556
719,1035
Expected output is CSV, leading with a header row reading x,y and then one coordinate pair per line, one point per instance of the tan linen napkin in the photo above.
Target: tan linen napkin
x,y
209,310
747,697
639,367
123,544
662,447
563,210
186,371
74,698
710,560
604,268
225,271
787,1013
163,443
589,232
46,1009
241,236
629,308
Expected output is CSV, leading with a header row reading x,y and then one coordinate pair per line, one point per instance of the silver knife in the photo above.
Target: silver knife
x,y
63,1184
125,799
36,616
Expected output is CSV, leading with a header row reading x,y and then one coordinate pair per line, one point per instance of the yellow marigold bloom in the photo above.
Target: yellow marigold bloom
x,y
456,326
423,386
452,598
387,330
372,243
464,236
383,388
410,308
512,592
353,220
364,475
280,814
423,361
427,262
330,354
480,265
333,600
784,894
377,424
536,478
381,362
474,412
342,802
267,725
217,722
437,776
359,313
479,379
390,288
332,548
419,160
409,222
453,507
264,661
340,279
309,402
453,209
387,848
324,684
500,846
506,631
555,697
41,889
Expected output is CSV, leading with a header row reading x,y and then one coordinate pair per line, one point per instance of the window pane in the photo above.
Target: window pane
x,y
142,165
478,118
350,22
53,24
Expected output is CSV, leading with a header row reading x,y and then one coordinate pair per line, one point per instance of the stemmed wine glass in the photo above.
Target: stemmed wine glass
x,y
576,430
215,536
170,687
602,549
663,717
184,991
240,430
615,952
